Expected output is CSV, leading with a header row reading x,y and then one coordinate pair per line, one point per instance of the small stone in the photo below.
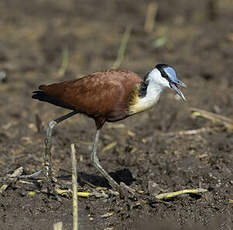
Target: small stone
x,y
154,188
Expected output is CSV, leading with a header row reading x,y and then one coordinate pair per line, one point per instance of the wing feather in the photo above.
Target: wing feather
x,y
99,94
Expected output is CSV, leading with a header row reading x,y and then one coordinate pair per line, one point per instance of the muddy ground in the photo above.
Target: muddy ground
x,y
196,37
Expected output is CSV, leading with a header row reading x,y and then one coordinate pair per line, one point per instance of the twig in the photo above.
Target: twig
x,y
151,12
121,51
174,194
74,182
215,118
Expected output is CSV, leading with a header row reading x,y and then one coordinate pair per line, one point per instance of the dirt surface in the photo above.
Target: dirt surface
x,y
196,37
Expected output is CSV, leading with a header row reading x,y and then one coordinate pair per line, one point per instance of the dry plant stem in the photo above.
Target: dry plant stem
x,y
185,191
151,12
215,118
121,51
11,178
74,183
57,226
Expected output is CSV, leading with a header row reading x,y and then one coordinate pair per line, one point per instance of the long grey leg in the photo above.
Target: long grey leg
x,y
48,142
97,165
48,145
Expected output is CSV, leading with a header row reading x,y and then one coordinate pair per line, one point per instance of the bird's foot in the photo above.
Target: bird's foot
x,y
44,172
49,184
32,176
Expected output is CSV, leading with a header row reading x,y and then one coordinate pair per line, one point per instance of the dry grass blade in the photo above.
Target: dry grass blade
x,y
215,118
188,132
102,194
109,146
177,193
74,183
121,51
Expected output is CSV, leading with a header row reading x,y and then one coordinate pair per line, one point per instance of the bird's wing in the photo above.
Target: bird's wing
x,y
95,95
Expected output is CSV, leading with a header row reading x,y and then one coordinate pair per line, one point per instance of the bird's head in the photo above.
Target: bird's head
x,y
165,76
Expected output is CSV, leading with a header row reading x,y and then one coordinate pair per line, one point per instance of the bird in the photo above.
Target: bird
x,y
105,96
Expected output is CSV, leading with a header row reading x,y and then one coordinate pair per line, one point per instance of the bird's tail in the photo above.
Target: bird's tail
x,y
42,96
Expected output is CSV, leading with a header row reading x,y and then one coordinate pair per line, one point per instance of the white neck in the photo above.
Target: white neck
x,y
155,87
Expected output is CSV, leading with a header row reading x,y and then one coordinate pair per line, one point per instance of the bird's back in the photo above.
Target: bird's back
x,y
106,93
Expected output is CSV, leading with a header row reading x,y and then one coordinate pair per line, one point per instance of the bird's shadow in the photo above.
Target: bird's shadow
x,y
122,175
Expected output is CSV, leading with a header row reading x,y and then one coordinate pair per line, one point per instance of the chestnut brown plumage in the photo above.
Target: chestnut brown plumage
x,y
104,96
109,95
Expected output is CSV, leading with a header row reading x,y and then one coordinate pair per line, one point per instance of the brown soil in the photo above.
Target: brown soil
x,y
194,36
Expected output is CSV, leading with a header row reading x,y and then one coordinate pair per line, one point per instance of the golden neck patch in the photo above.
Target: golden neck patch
x,y
139,104
134,97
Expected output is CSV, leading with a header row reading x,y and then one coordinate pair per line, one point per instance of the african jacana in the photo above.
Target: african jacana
x,y
109,95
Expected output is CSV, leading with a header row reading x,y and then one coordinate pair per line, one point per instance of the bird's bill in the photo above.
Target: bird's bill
x,y
174,86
